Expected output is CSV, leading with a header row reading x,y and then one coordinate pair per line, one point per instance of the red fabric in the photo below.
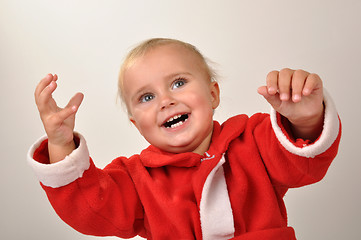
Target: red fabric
x,y
286,233
157,194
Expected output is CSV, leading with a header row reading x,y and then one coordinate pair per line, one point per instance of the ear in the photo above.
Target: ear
x,y
132,120
215,93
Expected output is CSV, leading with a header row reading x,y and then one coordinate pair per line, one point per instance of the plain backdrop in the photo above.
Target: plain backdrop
x,y
84,42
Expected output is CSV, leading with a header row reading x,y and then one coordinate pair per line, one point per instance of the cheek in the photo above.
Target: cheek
x,y
200,100
144,120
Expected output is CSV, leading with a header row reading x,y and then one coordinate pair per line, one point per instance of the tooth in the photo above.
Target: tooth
x,y
177,124
170,119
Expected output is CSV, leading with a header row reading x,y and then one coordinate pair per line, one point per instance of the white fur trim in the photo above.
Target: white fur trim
x,y
63,172
215,207
328,136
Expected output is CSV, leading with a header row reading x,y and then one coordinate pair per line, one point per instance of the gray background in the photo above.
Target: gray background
x,y
84,43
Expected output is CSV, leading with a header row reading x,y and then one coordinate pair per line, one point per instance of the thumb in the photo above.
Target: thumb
x,y
71,108
272,99
75,101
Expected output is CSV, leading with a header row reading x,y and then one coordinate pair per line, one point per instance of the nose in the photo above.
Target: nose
x,y
166,101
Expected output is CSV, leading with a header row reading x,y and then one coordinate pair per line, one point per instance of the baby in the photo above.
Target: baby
x,y
198,179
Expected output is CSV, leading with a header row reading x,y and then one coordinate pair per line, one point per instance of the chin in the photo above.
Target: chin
x,y
178,148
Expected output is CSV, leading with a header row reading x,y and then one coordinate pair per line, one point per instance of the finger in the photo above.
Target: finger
x,y
274,99
43,84
298,81
272,79
284,83
313,82
263,91
45,96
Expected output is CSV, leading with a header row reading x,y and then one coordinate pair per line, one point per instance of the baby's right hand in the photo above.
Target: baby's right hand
x,y
58,122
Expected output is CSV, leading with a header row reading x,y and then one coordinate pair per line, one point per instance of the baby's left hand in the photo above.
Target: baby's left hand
x,y
298,96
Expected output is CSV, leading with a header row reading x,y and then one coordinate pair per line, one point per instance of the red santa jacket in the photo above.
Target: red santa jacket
x,y
234,190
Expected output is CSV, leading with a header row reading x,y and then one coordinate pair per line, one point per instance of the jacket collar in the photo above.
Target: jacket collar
x,y
221,138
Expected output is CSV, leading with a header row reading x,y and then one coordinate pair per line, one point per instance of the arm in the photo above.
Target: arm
x,y
294,162
301,154
58,122
92,201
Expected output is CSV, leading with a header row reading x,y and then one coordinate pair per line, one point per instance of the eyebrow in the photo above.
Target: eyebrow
x,y
173,75
139,92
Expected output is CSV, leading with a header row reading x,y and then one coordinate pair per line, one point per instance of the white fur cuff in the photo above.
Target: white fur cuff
x,y
328,136
63,172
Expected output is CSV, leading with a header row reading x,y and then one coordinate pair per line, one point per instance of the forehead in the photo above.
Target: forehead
x,y
164,59
176,53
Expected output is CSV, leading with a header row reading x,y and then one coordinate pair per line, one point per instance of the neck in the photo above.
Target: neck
x,y
204,146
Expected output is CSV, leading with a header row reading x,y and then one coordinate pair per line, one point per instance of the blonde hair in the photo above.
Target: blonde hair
x,y
150,44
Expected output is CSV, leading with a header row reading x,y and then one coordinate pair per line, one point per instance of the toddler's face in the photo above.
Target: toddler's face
x,y
171,99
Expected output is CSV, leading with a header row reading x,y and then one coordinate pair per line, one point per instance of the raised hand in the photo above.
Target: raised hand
x,y
298,96
58,122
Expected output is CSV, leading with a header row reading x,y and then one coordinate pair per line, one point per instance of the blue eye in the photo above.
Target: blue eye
x,y
146,98
178,83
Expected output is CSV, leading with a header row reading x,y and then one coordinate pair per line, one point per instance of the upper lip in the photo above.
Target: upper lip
x,y
172,117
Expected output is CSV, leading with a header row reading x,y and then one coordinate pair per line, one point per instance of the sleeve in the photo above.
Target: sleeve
x,y
296,162
92,201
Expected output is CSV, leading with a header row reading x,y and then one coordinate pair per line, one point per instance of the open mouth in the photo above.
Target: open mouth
x,y
176,121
